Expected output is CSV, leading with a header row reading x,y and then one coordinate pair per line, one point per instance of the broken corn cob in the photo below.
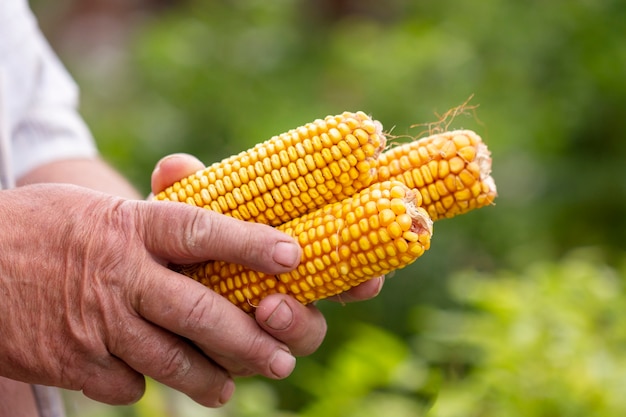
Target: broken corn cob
x,y
376,231
451,170
290,174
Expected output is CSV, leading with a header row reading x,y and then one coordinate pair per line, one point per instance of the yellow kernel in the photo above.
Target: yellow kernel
x,y
335,169
425,196
212,191
253,209
309,161
461,141
404,163
364,243
319,265
364,224
344,178
447,202
216,207
410,236
354,230
456,165
334,135
466,177
474,168
222,203
404,221
266,199
344,252
426,174
418,180
441,188
386,217
275,161
206,197
219,186
359,211
370,208
238,196
433,166
391,251
362,136
382,204
326,155
344,148
451,182
476,189
463,195
395,230
401,245
467,153
398,206
276,178
344,164
250,172
352,141
432,192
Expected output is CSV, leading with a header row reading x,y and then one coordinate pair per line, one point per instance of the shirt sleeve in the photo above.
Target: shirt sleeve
x,y
44,123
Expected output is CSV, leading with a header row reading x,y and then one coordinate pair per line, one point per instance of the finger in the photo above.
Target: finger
x,y
302,328
181,233
112,381
365,291
221,330
173,168
172,361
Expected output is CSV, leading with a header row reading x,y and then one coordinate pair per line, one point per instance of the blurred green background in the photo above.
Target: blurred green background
x,y
518,309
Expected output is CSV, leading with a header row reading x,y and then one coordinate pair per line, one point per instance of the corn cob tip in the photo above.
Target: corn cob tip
x,y
450,170
483,159
421,220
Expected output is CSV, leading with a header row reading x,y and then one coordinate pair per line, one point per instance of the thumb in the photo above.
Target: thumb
x,y
172,168
181,233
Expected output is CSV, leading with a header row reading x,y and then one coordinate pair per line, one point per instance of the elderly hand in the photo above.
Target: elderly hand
x,y
89,304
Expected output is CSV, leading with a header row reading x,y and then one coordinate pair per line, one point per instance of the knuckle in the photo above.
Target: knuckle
x,y
195,232
257,354
175,365
104,387
201,314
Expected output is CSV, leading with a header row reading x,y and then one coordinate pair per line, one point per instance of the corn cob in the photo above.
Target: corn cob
x,y
376,231
451,170
290,174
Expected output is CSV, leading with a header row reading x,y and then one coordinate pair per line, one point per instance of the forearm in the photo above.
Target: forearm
x,y
92,173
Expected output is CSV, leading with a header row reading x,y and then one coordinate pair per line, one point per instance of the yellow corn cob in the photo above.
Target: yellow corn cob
x,y
376,231
451,170
290,174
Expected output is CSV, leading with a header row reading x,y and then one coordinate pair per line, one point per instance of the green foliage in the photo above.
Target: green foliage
x,y
548,341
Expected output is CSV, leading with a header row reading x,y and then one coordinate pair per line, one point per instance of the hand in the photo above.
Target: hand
x,y
88,302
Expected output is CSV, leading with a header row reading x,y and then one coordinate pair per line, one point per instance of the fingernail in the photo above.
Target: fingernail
x,y
281,317
227,391
381,281
286,254
282,364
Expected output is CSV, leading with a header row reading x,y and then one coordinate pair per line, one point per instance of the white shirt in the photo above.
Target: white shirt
x,y
39,122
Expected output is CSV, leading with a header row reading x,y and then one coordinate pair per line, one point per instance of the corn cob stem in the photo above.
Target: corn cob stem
x,y
451,171
290,174
376,231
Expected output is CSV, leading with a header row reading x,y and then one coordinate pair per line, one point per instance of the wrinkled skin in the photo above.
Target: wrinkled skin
x,y
89,304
